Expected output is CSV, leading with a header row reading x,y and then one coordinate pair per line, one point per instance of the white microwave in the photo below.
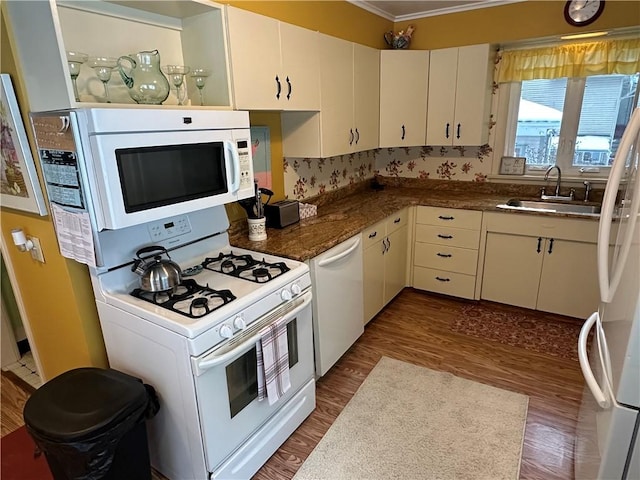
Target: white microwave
x,y
130,166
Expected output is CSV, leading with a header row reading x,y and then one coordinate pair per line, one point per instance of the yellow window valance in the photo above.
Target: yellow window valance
x,y
620,56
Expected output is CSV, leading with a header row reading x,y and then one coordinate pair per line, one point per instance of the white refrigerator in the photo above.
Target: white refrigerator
x,y
608,432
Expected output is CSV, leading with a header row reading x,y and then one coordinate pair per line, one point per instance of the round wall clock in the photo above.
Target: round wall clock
x,y
582,12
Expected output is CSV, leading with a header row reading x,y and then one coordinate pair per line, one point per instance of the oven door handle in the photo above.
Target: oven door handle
x,y
214,358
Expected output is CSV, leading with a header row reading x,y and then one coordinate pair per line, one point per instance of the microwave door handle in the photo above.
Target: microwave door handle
x,y
232,152
213,359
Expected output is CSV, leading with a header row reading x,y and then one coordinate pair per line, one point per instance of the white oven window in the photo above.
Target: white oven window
x,y
242,381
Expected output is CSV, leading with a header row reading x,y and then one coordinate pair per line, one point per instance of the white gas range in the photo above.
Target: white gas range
x,y
197,344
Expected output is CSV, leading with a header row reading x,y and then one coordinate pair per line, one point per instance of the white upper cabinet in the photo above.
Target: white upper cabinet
x,y
366,97
350,96
459,96
185,33
403,97
278,69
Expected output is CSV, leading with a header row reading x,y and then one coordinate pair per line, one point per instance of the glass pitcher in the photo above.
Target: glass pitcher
x,y
141,74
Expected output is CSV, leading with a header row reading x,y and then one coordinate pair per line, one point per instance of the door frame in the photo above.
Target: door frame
x,y
21,308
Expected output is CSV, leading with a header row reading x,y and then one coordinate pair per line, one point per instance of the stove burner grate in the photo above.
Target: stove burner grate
x,y
245,267
188,298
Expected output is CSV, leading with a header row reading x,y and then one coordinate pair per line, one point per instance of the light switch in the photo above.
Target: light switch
x,y
36,251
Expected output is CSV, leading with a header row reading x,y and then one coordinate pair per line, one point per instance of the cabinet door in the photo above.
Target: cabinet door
x,y
473,96
255,64
569,280
373,280
366,97
404,76
512,267
443,68
336,90
300,68
395,263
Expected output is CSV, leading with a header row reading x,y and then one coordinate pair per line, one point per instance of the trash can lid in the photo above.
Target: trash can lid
x,y
83,402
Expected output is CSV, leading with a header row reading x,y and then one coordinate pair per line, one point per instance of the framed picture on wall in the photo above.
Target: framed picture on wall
x,y
18,178
261,153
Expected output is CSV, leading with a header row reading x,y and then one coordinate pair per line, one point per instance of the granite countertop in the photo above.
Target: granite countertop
x,y
345,214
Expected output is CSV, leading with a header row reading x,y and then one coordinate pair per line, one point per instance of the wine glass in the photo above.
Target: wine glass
x,y
75,60
103,67
199,76
176,74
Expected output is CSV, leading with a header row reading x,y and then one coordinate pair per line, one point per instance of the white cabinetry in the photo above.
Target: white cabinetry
x,y
459,95
385,259
541,263
404,78
278,69
350,99
337,301
185,33
446,250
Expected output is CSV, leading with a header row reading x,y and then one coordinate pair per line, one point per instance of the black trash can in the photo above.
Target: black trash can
x,y
90,424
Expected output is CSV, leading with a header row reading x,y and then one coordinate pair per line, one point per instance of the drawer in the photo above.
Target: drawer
x,y
445,235
450,217
397,220
441,257
449,283
373,234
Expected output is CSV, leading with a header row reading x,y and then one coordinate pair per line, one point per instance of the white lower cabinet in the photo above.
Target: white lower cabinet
x,y
384,264
446,247
542,263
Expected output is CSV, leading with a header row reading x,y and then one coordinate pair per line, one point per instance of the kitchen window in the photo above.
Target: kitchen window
x,y
569,104
575,123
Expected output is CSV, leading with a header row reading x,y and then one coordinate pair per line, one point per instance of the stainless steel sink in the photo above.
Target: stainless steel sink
x,y
557,207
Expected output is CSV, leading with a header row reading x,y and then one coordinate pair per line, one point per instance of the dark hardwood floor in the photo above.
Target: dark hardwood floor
x,y
417,328
438,332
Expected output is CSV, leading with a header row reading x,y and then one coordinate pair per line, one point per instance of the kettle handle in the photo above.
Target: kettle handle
x,y
151,248
126,75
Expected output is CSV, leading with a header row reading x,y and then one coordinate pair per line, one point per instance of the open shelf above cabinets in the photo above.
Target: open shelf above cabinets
x,y
188,32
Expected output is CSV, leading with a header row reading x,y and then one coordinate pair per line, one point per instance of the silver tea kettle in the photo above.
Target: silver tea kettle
x,y
156,274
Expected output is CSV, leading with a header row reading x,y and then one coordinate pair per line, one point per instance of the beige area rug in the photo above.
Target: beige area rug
x,y
408,422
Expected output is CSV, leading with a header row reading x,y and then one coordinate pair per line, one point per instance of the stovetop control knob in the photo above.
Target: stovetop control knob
x,y
226,331
285,295
295,289
239,323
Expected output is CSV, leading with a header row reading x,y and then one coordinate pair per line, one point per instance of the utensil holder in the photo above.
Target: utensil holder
x,y
257,229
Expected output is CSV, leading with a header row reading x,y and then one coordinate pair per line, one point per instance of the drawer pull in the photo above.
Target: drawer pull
x,y
441,217
446,237
444,255
397,220
371,235
440,279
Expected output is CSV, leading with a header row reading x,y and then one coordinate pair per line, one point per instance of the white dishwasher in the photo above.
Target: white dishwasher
x,y
337,301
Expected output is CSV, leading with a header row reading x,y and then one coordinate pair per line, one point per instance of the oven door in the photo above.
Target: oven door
x,y
226,381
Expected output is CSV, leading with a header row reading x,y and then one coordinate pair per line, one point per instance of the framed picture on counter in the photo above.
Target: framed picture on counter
x,y
18,178
261,154
512,165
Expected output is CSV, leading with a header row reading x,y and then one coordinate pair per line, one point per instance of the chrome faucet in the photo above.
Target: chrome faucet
x,y
546,177
587,190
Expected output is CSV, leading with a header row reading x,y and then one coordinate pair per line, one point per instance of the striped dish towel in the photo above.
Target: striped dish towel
x,y
273,362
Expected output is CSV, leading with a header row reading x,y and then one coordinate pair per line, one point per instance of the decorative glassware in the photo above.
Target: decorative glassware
x,y
103,67
141,74
199,76
75,60
176,74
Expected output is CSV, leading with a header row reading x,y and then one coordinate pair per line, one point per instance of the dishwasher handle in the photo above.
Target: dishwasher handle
x,y
335,258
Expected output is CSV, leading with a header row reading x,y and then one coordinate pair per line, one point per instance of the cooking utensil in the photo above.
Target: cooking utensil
x,y
156,274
